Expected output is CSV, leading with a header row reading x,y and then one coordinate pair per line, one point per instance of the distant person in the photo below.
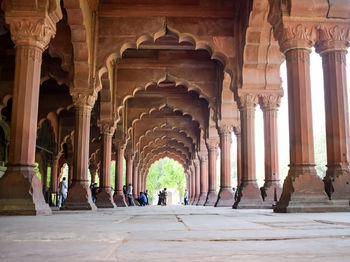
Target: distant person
x,y
63,192
129,193
165,195
186,197
124,191
93,189
146,195
233,191
263,193
160,198
142,199
328,186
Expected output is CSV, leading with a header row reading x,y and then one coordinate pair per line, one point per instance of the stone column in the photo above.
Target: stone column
x,y
203,158
333,48
269,104
129,165
248,193
197,181
104,197
70,174
139,179
119,197
212,146
20,188
237,131
303,190
225,197
136,188
79,195
193,183
54,176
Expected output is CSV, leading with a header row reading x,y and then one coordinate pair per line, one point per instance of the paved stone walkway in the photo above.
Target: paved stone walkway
x,y
176,233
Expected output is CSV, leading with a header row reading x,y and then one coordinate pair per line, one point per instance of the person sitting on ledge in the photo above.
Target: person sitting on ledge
x,y
142,199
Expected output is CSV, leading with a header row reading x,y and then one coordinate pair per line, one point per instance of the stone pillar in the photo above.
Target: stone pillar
x,y
303,190
129,165
79,195
197,181
119,197
225,197
269,104
333,48
212,146
136,188
104,197
70,174
237,131
54,176
139,179
20,188
193,185
248,193
203,158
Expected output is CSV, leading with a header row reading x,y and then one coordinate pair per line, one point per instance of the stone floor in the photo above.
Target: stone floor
x,y
176,233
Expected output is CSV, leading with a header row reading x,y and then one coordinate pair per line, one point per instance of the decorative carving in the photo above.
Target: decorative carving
x,y
247,100
237,130
84,100
33,32
270,101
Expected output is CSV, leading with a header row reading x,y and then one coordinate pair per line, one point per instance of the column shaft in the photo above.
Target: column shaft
x,y
203,178
225,197
104,197
212,155
119,197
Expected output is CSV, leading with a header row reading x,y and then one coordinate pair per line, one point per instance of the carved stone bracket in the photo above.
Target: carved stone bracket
x,y
212,144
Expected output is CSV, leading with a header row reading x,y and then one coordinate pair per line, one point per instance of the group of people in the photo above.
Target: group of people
x,y
162,197
142,199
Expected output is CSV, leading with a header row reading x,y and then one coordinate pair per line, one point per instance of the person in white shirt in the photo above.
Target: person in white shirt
x,y
63,192
129,193
186,197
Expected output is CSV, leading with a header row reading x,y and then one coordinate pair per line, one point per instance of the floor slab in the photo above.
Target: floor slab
x,y
175,233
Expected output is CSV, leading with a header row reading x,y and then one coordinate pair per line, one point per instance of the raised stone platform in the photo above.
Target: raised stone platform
x,y
175,233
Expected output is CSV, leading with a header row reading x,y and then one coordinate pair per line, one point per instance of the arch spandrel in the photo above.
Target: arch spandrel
x,y
165,143
173,135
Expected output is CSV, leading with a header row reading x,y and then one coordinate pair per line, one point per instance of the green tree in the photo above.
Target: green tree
x,y
165,173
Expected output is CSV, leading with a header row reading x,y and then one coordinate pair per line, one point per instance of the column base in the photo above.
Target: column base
x,y
119,199
249,196
273,192
337,182
79,197
105,199
225,198
195,200
303,191
211,199
202,199
20,193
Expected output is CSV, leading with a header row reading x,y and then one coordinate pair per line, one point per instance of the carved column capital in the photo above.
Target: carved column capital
x,y
237,130
295,34
333,37
225,129
196,163
247,100
31,31
203,156
212,144
270,102
82,100
106,128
